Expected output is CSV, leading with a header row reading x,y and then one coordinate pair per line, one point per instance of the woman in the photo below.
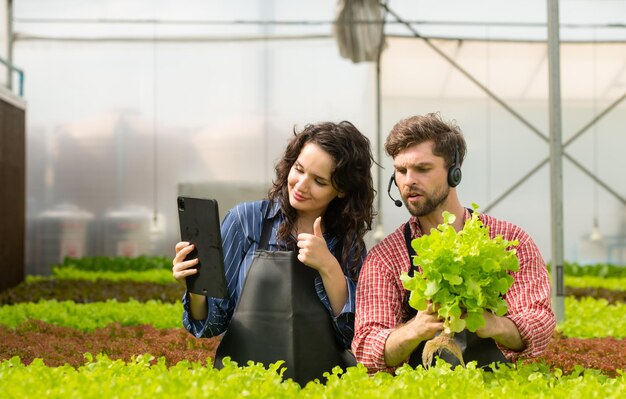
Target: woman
x,y
320,206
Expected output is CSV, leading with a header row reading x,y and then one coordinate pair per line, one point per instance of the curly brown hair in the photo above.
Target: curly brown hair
x,y
417,129
349,217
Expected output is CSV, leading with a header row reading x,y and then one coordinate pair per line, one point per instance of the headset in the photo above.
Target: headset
x,y
454,172
454,177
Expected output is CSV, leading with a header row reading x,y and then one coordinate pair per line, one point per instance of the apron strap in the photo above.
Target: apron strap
x,y
266,229
412,268
410,250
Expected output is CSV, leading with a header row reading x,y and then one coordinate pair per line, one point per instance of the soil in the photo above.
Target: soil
x,y
81,291
63,345
605,354
58,345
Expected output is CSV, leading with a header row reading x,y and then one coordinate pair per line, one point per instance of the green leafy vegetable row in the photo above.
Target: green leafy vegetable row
x,y
142,263
160,276
117,264
589,318
104,377
163,276
610,283
598,269
89,316
586,318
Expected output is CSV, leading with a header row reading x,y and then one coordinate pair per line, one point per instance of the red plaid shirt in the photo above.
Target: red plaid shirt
x,y
382,303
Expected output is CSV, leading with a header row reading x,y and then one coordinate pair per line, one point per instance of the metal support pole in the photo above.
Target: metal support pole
x,y
556,160
379,233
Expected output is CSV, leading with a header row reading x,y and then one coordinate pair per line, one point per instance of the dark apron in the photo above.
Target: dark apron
x,y
279,316
482,350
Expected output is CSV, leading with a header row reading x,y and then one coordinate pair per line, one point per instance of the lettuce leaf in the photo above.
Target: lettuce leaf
x,y
462,273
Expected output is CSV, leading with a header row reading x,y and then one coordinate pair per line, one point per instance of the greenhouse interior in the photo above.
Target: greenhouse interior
x,y
128,106
111,110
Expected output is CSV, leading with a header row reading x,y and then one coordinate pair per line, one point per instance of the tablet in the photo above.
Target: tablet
x,y
200,225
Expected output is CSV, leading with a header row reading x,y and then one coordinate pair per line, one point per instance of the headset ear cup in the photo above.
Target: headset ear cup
x,y
454,173
454,176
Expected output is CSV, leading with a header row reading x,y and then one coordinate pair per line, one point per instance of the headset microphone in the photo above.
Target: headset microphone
x,y
392,180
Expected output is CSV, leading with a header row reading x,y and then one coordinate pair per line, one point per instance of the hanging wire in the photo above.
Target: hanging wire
x,y
595,135
266,30
595,235
488,117
155,152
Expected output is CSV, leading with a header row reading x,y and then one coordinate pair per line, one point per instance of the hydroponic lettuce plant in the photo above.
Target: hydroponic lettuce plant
x,y
462,274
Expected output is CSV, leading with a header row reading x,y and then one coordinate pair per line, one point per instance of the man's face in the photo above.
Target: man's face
x,y
422,179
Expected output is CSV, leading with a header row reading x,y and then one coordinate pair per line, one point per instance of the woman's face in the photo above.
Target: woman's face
x,y
309,184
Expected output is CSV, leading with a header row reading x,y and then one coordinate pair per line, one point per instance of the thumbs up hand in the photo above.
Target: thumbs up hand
x,y
313,250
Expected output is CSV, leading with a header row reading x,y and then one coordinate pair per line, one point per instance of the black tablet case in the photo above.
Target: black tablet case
x,y
200,225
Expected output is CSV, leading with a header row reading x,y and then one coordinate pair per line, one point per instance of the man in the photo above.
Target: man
x,y
427,154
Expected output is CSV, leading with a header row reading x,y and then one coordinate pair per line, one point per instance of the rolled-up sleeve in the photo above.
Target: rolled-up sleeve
x,y
214,324
378,308
528,301
343,323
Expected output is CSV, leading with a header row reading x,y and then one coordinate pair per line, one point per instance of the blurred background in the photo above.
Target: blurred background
x,y
128,104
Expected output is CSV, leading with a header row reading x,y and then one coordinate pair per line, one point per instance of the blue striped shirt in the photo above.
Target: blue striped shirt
x,y
241,233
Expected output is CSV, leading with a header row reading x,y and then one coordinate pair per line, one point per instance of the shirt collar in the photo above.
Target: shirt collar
x,y
274,208
276,215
